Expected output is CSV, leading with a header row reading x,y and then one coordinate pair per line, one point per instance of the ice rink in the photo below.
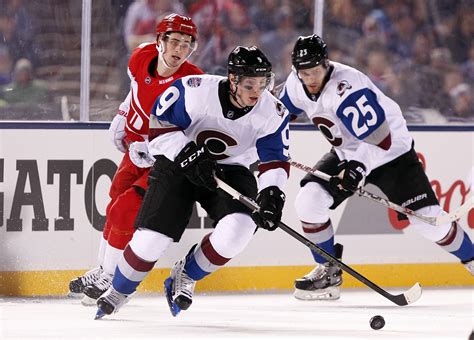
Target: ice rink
x,y
439,314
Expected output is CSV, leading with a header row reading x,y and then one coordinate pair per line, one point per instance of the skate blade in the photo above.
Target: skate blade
x,y
99,314
330,293
174,309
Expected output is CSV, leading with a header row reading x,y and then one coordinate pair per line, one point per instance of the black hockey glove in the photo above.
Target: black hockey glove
x,y
197,165
271,201
354,173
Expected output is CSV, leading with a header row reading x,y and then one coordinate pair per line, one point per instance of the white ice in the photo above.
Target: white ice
x,y
439,314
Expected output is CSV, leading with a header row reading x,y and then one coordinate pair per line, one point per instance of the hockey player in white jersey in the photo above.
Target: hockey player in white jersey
x,y
370,144
199,126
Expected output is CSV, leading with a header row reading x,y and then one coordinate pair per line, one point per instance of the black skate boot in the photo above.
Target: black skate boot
x,y
179,287
110,303
99,287
322,283
76,286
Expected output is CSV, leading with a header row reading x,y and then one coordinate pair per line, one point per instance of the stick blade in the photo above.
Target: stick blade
x,y
457,214
410,296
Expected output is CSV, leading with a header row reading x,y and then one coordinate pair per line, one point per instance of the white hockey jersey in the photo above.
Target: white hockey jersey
x,y
193,106
360,121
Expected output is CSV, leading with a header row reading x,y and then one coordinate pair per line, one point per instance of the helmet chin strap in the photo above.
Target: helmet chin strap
x,y
161,52
233,94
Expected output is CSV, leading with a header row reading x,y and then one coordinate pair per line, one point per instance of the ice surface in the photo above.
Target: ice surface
x,y
439,314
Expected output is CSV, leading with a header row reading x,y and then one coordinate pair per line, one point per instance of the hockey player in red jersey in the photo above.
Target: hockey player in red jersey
x,y
152,68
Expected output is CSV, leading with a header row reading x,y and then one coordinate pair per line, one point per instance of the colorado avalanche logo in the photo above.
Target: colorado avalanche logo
x,y
194,82
280,109
148,80
342,86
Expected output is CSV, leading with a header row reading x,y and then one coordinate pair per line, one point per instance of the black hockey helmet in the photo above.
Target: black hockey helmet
x,y
309,51
249,62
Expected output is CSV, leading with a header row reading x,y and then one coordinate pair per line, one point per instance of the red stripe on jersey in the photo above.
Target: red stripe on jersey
x,y
386,143
274,165
450,237
153,133
313,230
211,254
136,262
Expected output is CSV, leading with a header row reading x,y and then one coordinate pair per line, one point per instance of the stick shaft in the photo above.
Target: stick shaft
x,y
402,299
432,220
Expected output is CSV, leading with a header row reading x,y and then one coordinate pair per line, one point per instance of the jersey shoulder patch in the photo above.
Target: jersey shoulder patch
x,y
194,81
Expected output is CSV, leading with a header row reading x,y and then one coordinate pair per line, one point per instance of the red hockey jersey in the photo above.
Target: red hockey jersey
x,y
145,86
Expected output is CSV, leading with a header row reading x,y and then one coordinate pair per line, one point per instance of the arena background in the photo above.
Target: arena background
x,y
56,161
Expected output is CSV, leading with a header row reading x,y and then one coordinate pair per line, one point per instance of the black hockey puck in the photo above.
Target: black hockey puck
x,y
377,322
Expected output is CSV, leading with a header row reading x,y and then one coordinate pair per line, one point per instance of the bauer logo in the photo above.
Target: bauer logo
x,y
194,82
414,199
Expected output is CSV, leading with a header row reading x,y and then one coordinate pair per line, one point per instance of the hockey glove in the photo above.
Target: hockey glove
x,y
139,155
117,132
271,201
353,172
197,165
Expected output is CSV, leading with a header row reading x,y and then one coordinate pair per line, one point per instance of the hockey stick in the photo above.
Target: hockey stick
x,y
410,296
433,220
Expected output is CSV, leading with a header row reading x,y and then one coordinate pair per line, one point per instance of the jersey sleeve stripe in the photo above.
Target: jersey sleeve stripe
x,y
155,132
262,167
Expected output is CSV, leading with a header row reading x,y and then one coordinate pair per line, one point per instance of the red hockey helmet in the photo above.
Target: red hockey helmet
x,y
177,23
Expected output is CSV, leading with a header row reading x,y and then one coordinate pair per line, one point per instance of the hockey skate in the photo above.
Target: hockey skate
x,y
179,288
76,286
110,302
322,283
99,287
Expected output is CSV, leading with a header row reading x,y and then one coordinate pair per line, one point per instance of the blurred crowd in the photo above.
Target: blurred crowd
x,y
419,52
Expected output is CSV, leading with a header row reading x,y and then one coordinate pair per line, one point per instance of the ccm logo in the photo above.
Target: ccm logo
x,y
191,158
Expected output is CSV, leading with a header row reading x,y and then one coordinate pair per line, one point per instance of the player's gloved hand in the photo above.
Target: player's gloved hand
x,y
139,155
353,172
271,201
197,165
117,131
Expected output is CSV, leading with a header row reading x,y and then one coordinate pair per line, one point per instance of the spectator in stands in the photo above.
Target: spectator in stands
x,y
12,36
263,14
25,89
141,18
6,64
24,31
401,43
343,23
377,68
462,99
464,32
468,66
273,42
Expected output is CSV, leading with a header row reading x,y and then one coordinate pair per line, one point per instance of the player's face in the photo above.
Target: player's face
x,y
313,78
178,47
250,89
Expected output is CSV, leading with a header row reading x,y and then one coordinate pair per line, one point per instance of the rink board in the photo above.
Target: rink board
x,y
54,189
